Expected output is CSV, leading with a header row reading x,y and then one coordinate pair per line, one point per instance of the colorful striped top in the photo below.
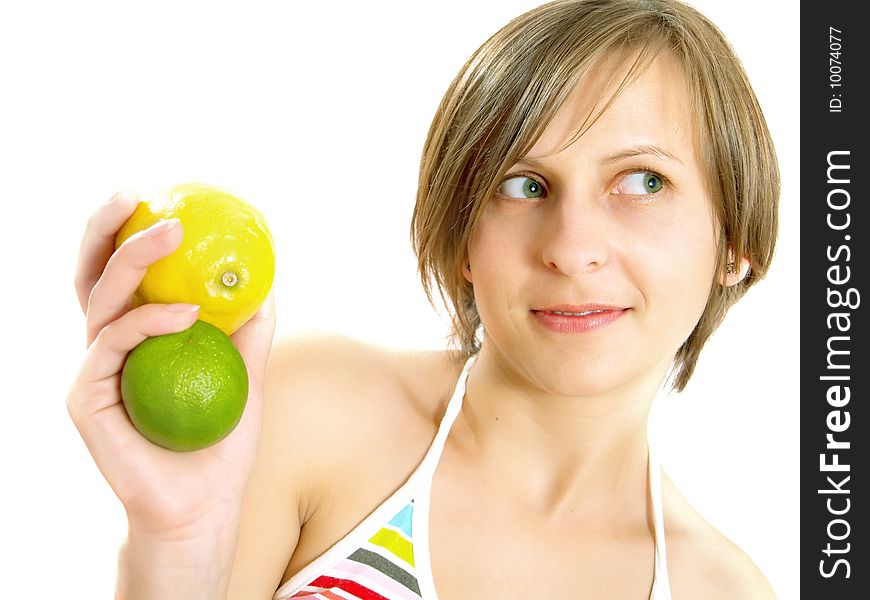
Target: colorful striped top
x,y
386,556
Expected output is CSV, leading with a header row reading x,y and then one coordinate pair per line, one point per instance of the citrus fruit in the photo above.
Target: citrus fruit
x,y
187,390
225,263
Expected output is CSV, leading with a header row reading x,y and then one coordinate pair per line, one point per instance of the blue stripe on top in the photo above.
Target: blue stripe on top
x,y
402,520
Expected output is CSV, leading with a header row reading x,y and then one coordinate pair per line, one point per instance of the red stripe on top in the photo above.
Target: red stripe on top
x,y
360,591
322,594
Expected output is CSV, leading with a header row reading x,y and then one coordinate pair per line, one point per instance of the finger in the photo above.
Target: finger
x,y
111,439
106,355
95,403
125,271
254,338
98,242
254,342
118,449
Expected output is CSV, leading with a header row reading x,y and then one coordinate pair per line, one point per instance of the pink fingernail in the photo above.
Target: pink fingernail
x,y
160,228
182,308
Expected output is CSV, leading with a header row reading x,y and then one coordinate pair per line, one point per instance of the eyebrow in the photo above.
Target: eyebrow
x,y
630,152
641,150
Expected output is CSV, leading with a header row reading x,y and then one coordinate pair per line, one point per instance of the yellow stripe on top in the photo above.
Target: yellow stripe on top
x,y
395,543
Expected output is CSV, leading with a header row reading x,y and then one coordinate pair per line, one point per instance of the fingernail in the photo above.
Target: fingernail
x,y
182,308
160,228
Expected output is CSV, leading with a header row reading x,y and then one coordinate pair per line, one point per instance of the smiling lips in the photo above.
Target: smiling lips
x,y
566,318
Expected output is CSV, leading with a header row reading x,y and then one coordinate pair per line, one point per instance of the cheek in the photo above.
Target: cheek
x,y
494,244
684,271
496,254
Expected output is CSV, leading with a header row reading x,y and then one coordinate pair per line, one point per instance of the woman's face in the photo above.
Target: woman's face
x,y
617,228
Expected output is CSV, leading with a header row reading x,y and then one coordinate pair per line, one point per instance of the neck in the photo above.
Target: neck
x,y
557,452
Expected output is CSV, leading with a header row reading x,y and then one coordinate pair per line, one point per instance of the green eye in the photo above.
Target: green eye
x,y
521,187
639,183
652,183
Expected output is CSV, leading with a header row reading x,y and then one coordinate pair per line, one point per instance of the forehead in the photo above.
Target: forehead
x,y
652,109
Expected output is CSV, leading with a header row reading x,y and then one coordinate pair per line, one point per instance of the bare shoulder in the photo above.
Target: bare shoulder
x,y
313,374
362,417
330,393
345,422
702,562
352,403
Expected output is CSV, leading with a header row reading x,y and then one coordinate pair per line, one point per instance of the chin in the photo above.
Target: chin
x,y
581,376
594,368
585,382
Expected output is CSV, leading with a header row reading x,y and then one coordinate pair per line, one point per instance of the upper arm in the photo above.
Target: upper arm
x,y
747,580
711,566
735,576
278,493
702,562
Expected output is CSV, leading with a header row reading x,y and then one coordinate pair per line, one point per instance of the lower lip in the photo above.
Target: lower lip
x,y
578,324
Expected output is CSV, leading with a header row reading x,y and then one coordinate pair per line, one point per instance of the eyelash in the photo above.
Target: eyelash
x,y
640,198
644,198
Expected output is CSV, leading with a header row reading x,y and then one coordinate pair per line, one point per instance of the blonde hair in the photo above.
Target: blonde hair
x,y
508,92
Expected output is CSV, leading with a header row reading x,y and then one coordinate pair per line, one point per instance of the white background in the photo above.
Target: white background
x,y
317,113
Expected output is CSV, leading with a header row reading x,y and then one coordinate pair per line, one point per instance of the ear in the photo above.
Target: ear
x,y
466,271
734,271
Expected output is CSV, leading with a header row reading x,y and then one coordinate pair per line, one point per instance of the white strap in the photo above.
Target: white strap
x,y
426,473
661,583
427,467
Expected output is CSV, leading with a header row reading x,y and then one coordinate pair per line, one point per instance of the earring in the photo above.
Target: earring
x,y
468,266
731,268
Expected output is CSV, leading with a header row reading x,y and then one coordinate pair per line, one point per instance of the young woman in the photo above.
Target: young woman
x,y
597,188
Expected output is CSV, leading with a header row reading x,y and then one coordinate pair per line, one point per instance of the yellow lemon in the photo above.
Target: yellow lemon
x,y
225,263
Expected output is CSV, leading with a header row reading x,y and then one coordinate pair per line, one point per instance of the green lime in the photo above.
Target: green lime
x,y
187,390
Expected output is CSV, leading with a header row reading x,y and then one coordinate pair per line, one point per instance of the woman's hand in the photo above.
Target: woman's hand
x,y
170,498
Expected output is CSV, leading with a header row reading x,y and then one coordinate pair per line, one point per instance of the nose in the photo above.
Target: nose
x,y
576,238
